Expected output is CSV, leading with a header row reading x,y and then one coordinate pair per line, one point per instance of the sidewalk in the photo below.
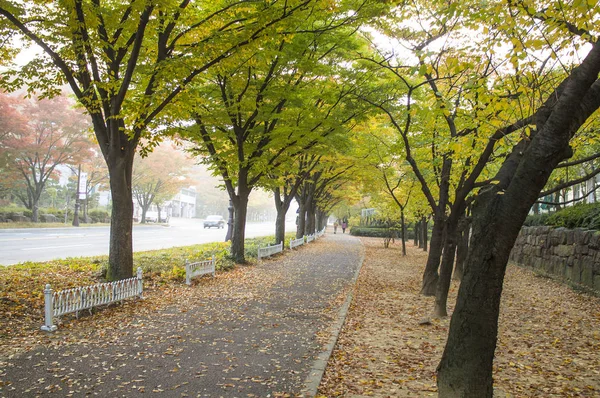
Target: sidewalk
x,y
253,332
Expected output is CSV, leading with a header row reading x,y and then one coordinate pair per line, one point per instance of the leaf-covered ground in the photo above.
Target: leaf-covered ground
x,y
549,337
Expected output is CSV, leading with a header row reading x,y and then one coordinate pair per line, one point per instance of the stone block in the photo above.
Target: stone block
x,y
554,237
585,237
569,273
595,265
587,275
564,250
576,274
570,237
594,242
49,218
597,283
581,249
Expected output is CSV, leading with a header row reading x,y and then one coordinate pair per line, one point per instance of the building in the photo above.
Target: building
x,y
183,205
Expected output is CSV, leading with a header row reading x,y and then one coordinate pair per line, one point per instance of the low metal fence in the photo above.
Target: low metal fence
x,y
296,242
199,268
321,232
269,250
310,238
84,298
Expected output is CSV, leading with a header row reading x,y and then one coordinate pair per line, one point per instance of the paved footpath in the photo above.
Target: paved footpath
x,y
254,336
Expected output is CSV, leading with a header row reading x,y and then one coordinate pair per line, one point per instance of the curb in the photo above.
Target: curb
x,y
313,380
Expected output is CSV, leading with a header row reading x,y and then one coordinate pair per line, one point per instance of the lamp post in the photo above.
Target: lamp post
x,y
77,204
229,234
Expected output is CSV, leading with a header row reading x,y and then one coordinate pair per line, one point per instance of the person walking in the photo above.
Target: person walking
x,y
344,226
335,225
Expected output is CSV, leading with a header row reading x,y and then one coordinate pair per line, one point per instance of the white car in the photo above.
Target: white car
x,y
214,221
152,216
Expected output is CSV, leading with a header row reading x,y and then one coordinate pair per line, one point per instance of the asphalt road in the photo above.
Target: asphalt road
x,y
42,244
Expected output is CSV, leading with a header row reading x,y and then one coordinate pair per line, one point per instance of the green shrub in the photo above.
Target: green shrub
x,y
381,232
578,216
99,214
377,232
536,220
12,209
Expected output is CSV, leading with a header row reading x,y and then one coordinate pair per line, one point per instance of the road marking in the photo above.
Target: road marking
x,y
54,247
51,237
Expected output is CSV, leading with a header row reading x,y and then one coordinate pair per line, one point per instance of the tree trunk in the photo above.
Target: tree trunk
x,y
425,233
446,266
35,212
120,259
310,218
430,276
321,219
280,226
462,248
403,224
417,231
240,209
301,220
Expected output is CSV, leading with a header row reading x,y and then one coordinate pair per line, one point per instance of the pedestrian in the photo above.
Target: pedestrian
x,y
335,225
344,226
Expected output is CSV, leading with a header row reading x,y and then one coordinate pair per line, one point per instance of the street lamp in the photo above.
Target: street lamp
x,y
77,205
229,234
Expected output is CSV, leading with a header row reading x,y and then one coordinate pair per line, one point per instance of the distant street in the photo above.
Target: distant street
x,y
42,244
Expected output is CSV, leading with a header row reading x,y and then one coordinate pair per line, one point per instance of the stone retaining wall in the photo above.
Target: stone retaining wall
x,y
572,256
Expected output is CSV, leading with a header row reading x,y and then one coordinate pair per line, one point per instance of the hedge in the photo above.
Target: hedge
x,y
579,216
379,232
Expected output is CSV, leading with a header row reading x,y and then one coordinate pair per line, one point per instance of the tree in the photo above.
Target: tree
x,y
456,118
11,122
125,63
256,119
500,208
159,176
52,134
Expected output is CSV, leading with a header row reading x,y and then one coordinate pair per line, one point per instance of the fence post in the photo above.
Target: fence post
x,y
140,283
48,310
214,264
188,280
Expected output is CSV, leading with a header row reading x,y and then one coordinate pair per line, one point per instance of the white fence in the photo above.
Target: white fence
x,y
310,238
86,297
296,242
321,232
199,268
269,250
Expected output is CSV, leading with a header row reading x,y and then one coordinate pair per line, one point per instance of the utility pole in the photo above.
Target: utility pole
x,y
76,215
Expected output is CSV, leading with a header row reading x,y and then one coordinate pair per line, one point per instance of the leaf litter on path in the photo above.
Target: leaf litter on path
x,y
548,346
